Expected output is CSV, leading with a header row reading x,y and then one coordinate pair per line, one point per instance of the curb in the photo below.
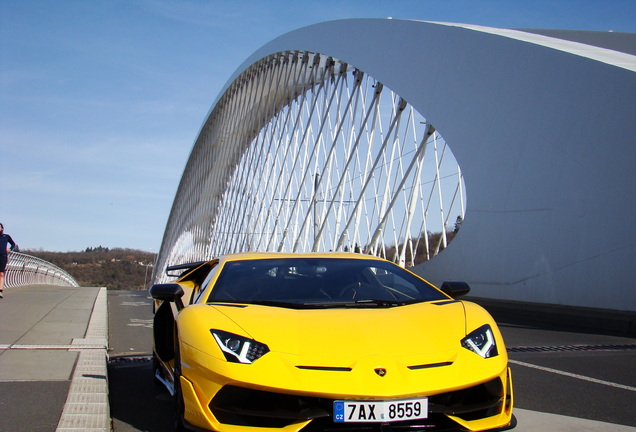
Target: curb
x,y
87,407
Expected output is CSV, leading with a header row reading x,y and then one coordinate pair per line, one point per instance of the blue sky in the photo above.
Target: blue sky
x,y
101,101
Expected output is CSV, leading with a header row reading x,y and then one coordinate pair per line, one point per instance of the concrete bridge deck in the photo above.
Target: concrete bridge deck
x,y
53,365
53,345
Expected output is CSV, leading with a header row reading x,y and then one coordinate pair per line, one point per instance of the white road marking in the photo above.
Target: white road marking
x,y
135,322
573,375
135,303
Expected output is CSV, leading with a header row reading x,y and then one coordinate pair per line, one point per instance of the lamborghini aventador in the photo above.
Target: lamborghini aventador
x,y
326,342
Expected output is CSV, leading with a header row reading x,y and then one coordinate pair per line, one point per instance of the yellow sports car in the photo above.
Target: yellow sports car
x,y
326,342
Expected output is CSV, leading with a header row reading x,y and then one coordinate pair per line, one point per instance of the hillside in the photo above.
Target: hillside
x,y
125,269
131,269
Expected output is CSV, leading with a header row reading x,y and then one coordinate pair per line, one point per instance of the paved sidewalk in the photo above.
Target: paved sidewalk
x,y
53,343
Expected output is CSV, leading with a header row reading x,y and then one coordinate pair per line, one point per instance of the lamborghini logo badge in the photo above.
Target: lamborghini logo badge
x,y
380,371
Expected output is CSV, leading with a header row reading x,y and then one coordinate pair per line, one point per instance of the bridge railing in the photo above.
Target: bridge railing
x,y
25,269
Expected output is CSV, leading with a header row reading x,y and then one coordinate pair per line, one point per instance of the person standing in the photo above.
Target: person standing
x,y
5,241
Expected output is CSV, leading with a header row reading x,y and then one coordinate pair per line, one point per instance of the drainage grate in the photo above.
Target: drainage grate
x,y
130,359
574,348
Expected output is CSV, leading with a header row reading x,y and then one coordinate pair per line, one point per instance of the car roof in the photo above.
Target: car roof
x,y
272,255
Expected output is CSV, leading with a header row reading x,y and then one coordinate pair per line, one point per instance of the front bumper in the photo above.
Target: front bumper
x,y
222,396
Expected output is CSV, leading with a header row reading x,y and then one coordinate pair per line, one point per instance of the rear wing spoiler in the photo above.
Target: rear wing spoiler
x,y
182,268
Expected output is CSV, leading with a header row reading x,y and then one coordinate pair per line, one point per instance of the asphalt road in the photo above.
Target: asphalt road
x,y
565,371
137,402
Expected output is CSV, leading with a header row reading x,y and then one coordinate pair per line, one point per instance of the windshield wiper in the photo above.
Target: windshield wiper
x,y
256,302
355,304
381,303
366,303
274,303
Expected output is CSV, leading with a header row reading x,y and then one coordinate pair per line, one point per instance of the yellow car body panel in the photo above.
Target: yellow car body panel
x,y
292,336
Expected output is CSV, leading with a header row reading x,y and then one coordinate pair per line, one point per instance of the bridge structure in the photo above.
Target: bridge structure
x,y
23,269
393,137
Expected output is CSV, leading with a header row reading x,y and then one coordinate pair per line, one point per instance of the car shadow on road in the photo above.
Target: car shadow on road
x,y
137,401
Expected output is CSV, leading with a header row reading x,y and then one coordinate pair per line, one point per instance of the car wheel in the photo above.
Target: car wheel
x,y
155,369
179,408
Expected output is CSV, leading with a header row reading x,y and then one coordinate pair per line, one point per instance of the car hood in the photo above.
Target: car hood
x,y
421,333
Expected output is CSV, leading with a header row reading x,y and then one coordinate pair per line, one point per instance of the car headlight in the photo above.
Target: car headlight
x,y
239,349
482,342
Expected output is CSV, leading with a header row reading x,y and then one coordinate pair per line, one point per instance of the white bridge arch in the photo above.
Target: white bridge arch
x,y
542,129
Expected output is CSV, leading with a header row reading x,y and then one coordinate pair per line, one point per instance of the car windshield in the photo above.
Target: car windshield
x,y
320,283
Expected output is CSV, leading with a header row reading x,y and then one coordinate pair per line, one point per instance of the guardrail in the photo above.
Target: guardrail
x,y
25,269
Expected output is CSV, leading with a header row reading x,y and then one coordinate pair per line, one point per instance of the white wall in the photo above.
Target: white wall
x,y
546,140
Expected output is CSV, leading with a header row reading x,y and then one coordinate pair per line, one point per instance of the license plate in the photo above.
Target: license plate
x,y
380,411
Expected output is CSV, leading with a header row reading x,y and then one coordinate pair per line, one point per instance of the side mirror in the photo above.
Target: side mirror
x,y
170,292
455,289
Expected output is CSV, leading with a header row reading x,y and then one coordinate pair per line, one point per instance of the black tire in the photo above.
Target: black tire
x,y
179,407
155,368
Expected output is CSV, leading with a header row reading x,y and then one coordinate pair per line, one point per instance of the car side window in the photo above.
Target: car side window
x,y
206,282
